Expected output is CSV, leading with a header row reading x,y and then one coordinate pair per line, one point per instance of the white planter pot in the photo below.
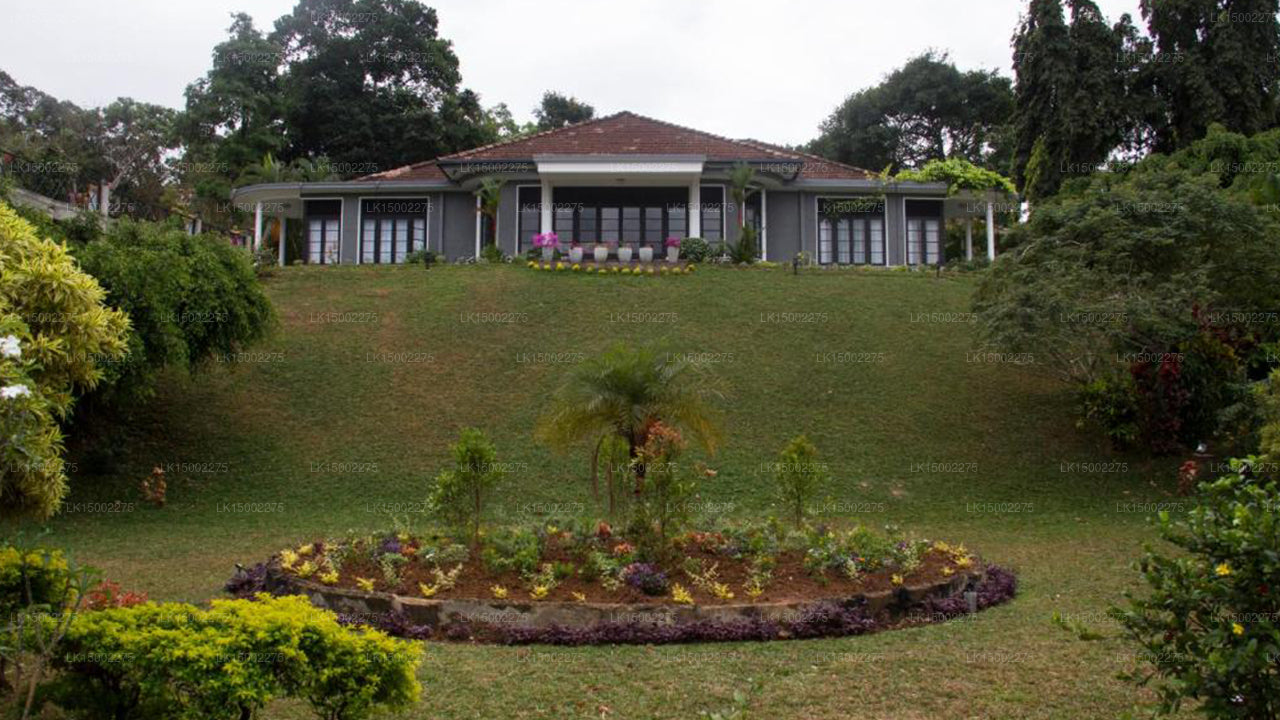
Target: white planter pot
x,y
547,254
673,254
575,255
646,254
602,253
624,255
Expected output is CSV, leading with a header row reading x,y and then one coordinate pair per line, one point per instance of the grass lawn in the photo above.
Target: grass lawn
x,y
340,420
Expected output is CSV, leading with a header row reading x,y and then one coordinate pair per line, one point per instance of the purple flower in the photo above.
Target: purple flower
x,y
645,578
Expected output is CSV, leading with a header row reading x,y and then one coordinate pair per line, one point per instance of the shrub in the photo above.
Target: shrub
x,y
174,660
460,493
798,475
662,494
744,251
1209,624
191,299
646,578
492,253
58,333
695,249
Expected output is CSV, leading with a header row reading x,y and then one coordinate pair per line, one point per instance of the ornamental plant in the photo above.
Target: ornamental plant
x,y
799,476
460,494
546,240
672,242
1209,622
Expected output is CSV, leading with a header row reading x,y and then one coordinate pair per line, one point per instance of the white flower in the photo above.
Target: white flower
x,y
9,392
9,347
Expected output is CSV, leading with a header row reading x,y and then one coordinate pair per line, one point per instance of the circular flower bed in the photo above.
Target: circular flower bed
x,y
585,585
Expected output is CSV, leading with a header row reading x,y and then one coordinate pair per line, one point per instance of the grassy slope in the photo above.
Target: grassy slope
x,y
274,425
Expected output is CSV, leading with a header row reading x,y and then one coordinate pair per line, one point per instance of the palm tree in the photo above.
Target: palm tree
x,y
621,393
490,194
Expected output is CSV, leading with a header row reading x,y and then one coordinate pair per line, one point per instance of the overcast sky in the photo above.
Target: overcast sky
x,y
742,68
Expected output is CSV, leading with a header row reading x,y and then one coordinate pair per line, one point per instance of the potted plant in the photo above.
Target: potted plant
x,y
602,252
646,254
548,243
575,252
624,254
673,249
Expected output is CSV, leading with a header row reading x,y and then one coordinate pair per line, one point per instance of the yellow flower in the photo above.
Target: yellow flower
x,y
964,562
897,579
306,569
306,550
680,595
427,590
722,591
1237,628
1222,570
948,571
533,264
287,559
576,267
364,584
579,597
329,578
499,592
539,592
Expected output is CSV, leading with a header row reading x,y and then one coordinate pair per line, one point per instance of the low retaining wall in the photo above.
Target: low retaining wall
x,y
441,616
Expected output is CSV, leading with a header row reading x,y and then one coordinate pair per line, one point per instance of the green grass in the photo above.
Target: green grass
x,y
262,430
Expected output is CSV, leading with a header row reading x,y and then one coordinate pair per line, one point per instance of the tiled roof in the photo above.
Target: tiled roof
x,y
626,133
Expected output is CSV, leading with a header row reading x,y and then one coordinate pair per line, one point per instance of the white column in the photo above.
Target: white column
x,y
547,223
478,225
199,225
991,231
284,225
764,224
257,225
694,211
968,238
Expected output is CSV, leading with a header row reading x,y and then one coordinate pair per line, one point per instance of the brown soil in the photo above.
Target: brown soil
x,y
790,581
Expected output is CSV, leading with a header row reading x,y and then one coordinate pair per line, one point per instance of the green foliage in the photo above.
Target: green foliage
x,y
744,251
663,493
925,110
799,476
177,661
62,334
1209,622
190,298
695,250
460,493
959,175
623,391
1118,274
507,549
556,111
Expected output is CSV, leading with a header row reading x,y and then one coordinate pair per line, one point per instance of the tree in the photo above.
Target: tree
x,y
559,110
1217,64
56,333
490,194
739,190
925,110
1071,107
371,85
134,138
501,125
622,393
461,492
798,475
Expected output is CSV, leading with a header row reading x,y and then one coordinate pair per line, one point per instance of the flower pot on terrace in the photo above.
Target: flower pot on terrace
x,y
646,255
548,253
575,255
673,254
602,253
624,254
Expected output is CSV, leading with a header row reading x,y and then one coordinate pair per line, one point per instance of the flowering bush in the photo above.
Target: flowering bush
x,y
546,240
672,242
1210,623
646,578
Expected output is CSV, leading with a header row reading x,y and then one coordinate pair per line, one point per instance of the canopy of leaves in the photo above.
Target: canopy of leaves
x,y
559,110
925,110
959,175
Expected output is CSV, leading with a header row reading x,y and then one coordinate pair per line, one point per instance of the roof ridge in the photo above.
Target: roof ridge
x,y
695,131
462,154
811,156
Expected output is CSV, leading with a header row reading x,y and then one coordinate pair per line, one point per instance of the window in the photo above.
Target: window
x,y
563,223
631,224
712,212
529,217
924,232
587,218
323,221
853,231
824,241
610,230
676,221
392,228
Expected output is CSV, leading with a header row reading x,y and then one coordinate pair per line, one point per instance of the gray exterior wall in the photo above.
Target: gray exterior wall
x,y
458,211
896,231
782,224
508,216
350,229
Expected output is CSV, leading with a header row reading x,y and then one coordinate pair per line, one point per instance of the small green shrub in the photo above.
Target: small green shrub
x,y
1209,623
695,250
512,549
460,493
799,476
492,253
663,493
177,661
744,251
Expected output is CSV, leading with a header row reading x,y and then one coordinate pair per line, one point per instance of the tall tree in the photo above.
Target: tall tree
x,y
371,85
925,110
559,110
1071,93
135,137
1217,64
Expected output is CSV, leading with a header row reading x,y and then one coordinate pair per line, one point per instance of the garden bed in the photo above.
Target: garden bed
x,y
562,586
